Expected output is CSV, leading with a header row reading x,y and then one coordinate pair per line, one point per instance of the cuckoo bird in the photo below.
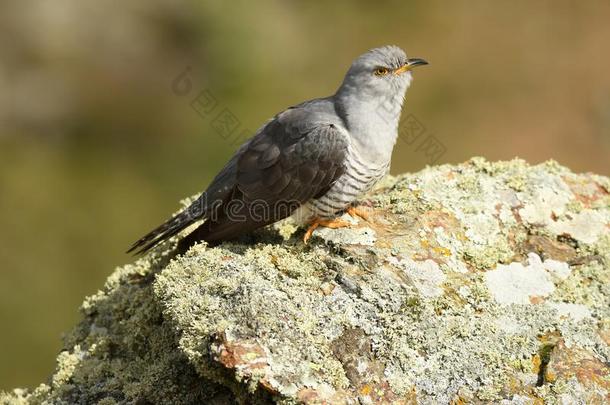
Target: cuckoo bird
x,y
311,161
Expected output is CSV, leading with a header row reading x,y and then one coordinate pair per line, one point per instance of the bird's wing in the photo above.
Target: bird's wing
x,y
297,156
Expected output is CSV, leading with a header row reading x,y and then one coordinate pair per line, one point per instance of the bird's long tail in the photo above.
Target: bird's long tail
x,y
164,231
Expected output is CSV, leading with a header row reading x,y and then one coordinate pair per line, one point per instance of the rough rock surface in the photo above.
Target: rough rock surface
x,y
477,283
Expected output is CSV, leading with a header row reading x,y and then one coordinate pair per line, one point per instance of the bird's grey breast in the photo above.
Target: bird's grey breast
x,y
359,177
371,138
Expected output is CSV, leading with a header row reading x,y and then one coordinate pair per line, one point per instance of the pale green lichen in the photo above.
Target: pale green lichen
x,y
412,310
122,352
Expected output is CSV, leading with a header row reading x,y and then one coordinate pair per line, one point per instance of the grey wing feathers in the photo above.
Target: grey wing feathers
x,y
295,157
161,233
218,190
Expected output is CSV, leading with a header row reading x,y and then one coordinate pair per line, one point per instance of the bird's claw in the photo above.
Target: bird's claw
x,y
327,223
358,212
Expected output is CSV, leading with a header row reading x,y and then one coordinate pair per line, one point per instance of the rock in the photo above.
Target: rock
x,y
481,282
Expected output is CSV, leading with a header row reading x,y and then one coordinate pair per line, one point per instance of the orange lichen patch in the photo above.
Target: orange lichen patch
x,y
566,363
438,218
309,396
383,244
382,394
593,370
447,221
327,288
442,251
426,255
412,396
535,299
366,389
457,401
428,247
585,189
241,354
536,363
550,376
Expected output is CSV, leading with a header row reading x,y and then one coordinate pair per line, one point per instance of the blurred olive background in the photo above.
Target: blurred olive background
x,y
96,147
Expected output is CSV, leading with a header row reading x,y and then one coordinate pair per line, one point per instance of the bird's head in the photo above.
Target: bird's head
x,y
380,73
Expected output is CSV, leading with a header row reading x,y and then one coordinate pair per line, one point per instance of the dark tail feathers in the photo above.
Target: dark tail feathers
x,y
163,232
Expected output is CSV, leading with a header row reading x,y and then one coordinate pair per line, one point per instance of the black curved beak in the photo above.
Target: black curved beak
x,y
412,62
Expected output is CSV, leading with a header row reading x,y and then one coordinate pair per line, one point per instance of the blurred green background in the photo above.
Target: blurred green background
x,y
95,148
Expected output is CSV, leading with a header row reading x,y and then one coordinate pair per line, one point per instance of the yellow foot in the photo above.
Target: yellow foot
x,y
327,223
358,212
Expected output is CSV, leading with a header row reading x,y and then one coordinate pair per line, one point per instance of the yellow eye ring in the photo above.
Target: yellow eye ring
x,y
381,71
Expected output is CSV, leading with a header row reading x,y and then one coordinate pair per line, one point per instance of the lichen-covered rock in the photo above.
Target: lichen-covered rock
x,y
477,283
123,351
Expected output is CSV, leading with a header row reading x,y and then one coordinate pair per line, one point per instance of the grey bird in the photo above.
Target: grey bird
x,y
311,161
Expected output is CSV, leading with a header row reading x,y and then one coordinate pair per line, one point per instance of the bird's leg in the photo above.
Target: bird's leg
x,y
357,212
312,227
328,223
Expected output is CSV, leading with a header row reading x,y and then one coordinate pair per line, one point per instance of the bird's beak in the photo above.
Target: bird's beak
x,y
411,63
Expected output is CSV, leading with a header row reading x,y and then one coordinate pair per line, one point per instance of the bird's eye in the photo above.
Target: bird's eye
x,y
381,71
